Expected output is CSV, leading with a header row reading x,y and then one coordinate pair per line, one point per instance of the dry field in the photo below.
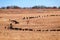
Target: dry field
x,y
36,24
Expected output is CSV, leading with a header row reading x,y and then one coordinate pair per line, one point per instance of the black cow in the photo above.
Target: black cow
x,y
30,29
38,30
53,30
58,29
15,21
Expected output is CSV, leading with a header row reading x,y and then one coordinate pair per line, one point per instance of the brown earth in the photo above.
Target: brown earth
x,y
36,19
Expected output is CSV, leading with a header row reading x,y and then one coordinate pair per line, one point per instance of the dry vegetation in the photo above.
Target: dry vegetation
x,y
30,24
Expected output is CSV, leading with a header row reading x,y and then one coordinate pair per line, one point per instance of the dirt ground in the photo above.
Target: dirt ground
x,y
44,24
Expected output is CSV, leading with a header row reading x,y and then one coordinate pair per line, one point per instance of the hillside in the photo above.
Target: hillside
x,y
29,11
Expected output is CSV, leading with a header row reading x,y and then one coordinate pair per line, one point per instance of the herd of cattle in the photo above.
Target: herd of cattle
x,y
30,29
38,16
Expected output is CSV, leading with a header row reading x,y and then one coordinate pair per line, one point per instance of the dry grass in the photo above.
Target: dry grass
x,y
42,20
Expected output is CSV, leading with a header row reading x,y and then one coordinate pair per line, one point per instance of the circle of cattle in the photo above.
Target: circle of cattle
x,y
30,29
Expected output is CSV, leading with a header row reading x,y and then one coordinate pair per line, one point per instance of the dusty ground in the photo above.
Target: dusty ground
x,y
44,19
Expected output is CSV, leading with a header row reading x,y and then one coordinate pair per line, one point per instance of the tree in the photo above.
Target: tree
x,y
13,7
37,7
16,7
3,7
59,7
54,7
